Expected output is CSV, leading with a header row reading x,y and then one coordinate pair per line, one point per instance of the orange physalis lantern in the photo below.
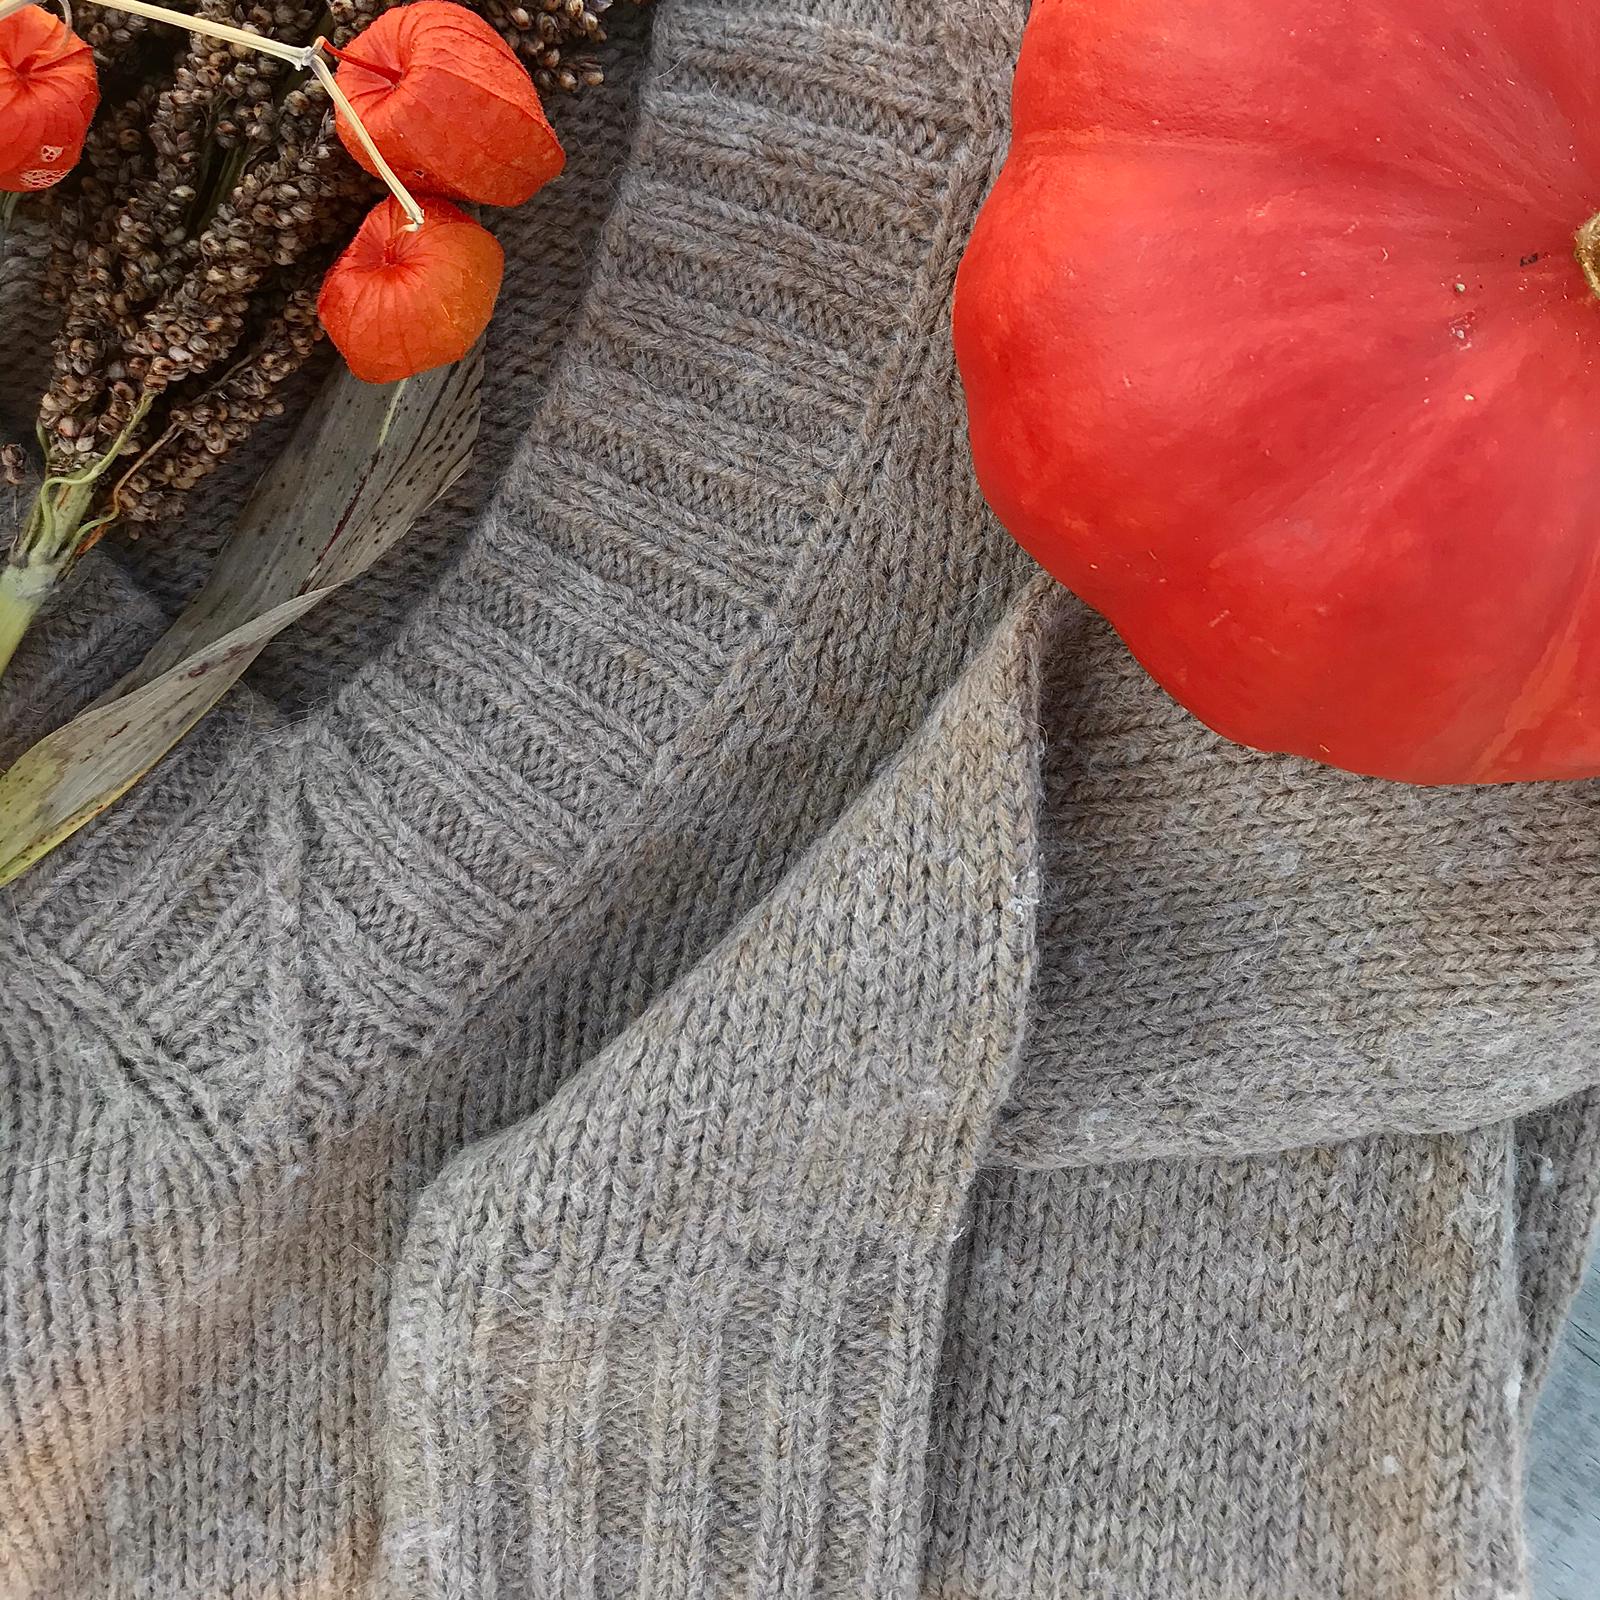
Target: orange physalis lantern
x,y
448,104
399,302
48,92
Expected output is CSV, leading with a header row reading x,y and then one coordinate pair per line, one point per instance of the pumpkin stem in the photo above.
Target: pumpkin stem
x,y
388,73
1588,251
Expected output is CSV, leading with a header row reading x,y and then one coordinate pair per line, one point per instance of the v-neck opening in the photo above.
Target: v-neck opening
x,y
708,428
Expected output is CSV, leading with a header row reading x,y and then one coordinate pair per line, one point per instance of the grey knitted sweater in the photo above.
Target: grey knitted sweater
x,y
708,1035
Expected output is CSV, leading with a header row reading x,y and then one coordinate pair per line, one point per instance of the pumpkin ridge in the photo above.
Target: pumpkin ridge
x,y
1429,179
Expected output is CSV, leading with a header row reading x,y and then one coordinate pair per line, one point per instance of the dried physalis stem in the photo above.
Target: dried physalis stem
x,y
375,159
305,57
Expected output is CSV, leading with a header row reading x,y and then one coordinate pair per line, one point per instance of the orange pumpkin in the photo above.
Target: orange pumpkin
x,y
401,301
48,92
1278,351
448,104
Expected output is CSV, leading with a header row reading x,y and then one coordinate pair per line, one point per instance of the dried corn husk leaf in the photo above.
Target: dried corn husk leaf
x,y
360,469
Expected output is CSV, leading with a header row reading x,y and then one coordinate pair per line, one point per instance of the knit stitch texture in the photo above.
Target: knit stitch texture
x,y
708,1034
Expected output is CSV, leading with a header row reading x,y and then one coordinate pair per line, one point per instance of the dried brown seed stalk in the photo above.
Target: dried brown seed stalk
x,y
187,246
212,190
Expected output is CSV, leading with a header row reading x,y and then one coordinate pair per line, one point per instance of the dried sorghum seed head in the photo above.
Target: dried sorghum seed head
x,y
188,244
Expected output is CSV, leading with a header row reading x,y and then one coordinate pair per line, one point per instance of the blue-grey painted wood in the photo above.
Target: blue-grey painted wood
x,y
1564,1462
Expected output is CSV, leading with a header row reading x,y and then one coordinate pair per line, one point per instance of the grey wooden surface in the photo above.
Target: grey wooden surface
x,y
1564,1463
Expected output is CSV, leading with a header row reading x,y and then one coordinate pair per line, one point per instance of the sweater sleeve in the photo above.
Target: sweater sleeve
x,y
1242,953
678,1332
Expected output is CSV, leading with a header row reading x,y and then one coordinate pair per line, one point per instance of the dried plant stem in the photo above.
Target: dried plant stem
x,y
8,212
305,56
320,67
182,19
23,590
187,246
55,535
